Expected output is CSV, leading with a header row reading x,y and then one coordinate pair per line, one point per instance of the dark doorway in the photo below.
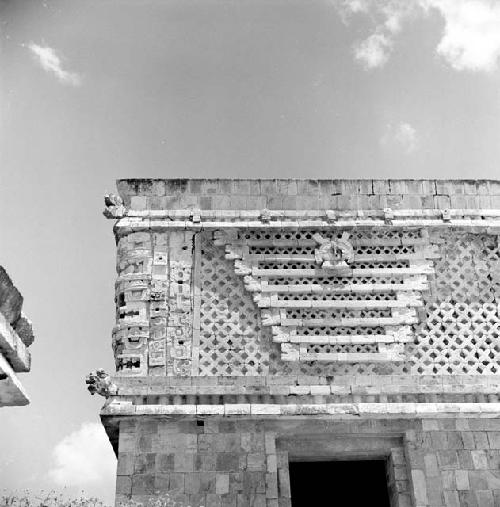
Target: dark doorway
x,y
339,484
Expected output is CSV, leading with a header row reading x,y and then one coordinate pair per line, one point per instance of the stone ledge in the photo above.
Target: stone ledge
x,y
410,410
338,384
127,225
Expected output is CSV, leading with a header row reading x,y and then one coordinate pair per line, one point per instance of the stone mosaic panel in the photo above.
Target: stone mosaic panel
x,y
174,318
153,332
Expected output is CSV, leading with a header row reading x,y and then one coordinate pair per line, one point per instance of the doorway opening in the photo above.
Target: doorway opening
x,y
339,483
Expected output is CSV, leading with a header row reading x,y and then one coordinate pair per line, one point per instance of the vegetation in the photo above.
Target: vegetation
x,y
50,499
53,499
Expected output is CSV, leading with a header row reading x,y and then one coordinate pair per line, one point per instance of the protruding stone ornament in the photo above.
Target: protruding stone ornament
x,y
388,215
265,215
333,254
100,382
114,206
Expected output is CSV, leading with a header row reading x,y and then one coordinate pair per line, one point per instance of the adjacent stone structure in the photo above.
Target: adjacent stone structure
x,y
16,335
265,321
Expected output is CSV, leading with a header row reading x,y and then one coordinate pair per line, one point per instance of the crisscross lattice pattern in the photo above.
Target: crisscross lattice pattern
x,y
230,335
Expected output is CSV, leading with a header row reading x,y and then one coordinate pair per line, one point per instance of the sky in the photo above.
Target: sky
x,y
104,89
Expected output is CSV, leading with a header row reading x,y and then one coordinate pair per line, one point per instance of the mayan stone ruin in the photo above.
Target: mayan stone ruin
x,y
267,326
16,335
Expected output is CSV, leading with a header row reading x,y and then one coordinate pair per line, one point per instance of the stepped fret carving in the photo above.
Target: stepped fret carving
x,y
339,279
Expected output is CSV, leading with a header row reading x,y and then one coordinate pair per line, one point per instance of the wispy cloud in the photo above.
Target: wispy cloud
x,y
402,136
52,63
346,8
387,16
83,458
470,39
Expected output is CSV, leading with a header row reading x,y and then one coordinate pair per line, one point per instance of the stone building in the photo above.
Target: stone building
x,y
16,335
275,339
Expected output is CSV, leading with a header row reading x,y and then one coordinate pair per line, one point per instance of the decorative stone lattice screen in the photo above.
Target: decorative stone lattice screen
x,y
231,338
461,333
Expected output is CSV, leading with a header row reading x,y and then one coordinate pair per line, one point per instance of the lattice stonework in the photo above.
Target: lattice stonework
x,y
361,289
230,330
461,332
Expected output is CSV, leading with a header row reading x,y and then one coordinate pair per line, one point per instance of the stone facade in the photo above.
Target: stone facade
x,y
266,321
16,335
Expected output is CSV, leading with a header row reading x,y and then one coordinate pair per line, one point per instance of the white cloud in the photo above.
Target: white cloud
x,y
402,136
51,62
83,458
374,51
470,39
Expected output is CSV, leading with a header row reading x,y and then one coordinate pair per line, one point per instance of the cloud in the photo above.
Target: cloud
x,y
83,458
387,17
374,51
346,8
51,62
402,136
470,38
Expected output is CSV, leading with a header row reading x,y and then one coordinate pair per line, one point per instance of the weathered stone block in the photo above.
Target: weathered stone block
x,y
165,462
227,461
176,482
144,463
123,485
184,461
485,498
143,484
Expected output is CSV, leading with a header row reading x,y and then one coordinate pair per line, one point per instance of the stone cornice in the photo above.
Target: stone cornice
x,y
479,221
305,390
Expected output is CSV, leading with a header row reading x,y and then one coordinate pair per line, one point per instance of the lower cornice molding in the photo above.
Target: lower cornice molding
x,y
378,410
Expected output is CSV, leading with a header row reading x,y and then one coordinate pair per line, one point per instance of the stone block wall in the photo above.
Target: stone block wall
x,y
214,463
455,462
226,194
217,462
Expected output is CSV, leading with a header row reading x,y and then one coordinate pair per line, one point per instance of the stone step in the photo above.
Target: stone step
x,y
342,339
350,305
350,288
425,269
